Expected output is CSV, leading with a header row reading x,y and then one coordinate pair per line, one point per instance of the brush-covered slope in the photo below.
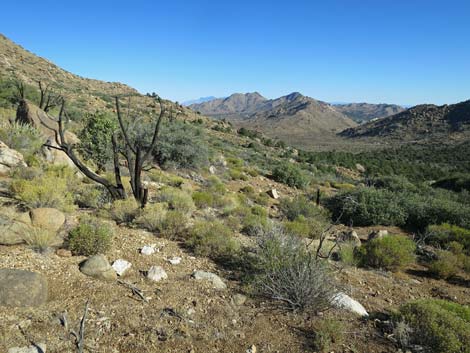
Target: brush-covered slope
x,y
363,112
421,123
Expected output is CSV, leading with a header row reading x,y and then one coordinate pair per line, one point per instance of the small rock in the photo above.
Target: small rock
x,y
37,348
20,288
238,299
378,234
360,168
252,349
175,260
350,237
273,194
211,277
148,250
212,169
47,218
63,253
121,266
98,266
344,301
156,273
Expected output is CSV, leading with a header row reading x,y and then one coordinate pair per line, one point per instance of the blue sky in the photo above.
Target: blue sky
x,y
395,51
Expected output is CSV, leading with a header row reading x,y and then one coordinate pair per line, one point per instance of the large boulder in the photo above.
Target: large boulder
x,y
19,288
9,158
28,113
47,218
98,266
344,301
13,227
215,280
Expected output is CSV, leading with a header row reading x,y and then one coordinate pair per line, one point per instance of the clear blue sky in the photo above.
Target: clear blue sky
x,y
397,51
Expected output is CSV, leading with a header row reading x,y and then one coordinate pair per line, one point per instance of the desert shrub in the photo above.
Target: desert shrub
x,y
442,235
457,182
291,175
176,199
39,239
248,190
253,223
90,237
395,183
124,211
235,162
343,186
157,218
305,227
91,196
215,185
182,146
203,199
262,199
46,190
328,333
391,252
23,138
299,206
348,254
212,239
446,265
440,326
152,217
367,206
286,271
95,138
237,174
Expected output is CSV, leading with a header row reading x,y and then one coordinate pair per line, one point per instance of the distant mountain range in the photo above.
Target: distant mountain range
x,y
199,100
295,118
423,123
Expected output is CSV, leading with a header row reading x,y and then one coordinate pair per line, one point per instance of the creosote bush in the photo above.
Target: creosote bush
x,y
176,199
287,272
212,239
124,211
438,325
391,252
446,265
92,236
158,218
327,334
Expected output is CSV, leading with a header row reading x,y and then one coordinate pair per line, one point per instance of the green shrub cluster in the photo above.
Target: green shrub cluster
x,y
23,138
158,218
212,239
440,326
391,252
176,199
291,175
442,235
90,237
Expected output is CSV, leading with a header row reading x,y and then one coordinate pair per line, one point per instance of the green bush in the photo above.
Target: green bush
x,y
391,252
291,175
40,239
367,206
95,138
348,254
23,138
440,326
90,237
203,199
237,174
442,235
299,206
157,218
212,239
446,265
124,211
46,190
176,199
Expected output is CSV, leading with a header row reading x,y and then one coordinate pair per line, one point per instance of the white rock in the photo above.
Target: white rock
x,y
148,250
175,260
38,348
212,169
344,301
211,277
121,266
252,349
273,193
156,273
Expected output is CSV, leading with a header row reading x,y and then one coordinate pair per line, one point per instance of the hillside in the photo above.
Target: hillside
x,y
299,120
363,112
423,123
82,94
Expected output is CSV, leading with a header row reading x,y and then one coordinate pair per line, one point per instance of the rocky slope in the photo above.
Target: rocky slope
x,y
363,112
425,123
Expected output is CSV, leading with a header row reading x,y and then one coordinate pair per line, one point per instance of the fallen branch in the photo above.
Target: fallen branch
x,y
135,290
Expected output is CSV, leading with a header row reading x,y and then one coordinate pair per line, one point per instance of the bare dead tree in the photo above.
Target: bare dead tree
x,y
136,153
48,98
